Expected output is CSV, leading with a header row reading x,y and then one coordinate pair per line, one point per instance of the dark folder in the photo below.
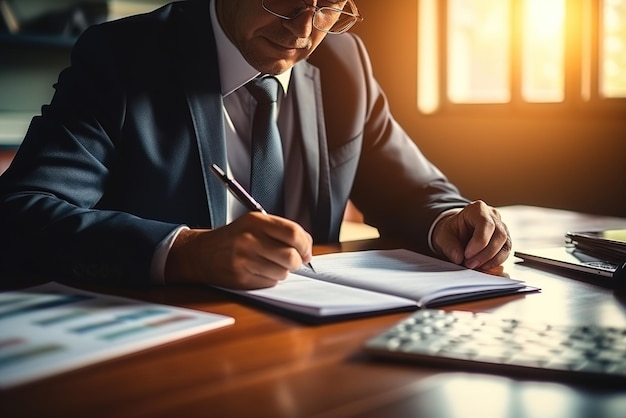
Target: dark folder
x,y
598,253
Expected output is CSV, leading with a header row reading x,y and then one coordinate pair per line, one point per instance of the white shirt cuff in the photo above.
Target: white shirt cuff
x,y
157,268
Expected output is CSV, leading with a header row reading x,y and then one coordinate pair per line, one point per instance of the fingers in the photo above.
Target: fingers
x,y
265,248
475,237
493,255
490,243
255,251
288,244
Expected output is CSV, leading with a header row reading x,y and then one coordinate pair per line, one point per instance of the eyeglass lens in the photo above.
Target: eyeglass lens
x,y
327,17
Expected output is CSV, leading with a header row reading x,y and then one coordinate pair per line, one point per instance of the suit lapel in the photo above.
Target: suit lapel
x,y
315,148
201,80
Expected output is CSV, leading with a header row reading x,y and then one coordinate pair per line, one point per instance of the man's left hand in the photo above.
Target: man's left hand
x,y
475,237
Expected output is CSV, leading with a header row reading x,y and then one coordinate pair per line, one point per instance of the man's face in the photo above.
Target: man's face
x,y
270,44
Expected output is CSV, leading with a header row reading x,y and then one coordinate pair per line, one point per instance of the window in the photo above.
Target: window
x,y
521,52
613,49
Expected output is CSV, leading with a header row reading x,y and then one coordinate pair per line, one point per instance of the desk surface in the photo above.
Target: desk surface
x,y
267,365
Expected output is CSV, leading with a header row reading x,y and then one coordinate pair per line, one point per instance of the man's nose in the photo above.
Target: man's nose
x,y
302,25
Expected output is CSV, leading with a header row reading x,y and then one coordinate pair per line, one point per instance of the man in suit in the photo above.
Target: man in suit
x,y
113,182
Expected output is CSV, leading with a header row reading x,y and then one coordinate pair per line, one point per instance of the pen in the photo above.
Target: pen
x,y
243,196
237,190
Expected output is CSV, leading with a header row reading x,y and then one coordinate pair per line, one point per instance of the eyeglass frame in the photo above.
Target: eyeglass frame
x,y
356,17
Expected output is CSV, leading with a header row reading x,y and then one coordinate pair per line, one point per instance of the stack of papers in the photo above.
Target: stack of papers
x,y
609,245
52,328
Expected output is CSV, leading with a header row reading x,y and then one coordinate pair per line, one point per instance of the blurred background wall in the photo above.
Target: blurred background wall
x,y
563,157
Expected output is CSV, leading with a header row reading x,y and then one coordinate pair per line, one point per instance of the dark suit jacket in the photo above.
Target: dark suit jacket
x,y
121,156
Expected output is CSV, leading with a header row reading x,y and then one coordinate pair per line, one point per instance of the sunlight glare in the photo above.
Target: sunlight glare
x,y
543,73
544,18
428,58
613,49
478,51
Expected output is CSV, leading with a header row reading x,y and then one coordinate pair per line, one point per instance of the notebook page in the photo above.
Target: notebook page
x,y
407,274
320,298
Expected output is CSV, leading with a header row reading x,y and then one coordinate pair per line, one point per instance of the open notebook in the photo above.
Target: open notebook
x,y
362,283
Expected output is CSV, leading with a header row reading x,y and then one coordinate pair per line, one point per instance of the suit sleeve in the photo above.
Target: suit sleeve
x,y
54,216
395,185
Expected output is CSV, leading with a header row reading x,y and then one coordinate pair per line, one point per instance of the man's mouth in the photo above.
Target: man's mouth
x,y
302,43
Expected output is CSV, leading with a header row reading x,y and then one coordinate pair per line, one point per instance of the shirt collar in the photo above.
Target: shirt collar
x,y
234,69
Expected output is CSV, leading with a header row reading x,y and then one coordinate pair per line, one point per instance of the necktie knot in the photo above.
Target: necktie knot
x,y
264,90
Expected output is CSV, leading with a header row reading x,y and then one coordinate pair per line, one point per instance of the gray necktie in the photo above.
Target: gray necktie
x,y
267,171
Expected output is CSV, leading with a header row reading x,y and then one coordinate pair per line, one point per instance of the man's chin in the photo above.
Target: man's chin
x,y
273,59
274,67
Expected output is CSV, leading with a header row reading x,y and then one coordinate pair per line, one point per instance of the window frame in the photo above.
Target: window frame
x,y
581,61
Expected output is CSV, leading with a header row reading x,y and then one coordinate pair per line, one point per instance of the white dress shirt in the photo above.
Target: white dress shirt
x,y
239,106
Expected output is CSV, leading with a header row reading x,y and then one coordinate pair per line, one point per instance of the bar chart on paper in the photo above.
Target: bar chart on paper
x,y
53,328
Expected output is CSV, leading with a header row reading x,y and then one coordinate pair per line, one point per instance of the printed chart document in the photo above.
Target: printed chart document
x,y
366,282
52,328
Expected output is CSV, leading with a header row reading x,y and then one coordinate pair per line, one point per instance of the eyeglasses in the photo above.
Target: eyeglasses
x,y
330,18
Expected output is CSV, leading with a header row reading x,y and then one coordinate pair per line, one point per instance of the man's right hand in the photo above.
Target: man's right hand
x,y
254,251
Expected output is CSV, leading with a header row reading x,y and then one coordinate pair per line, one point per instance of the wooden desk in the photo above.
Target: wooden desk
x,y
269,366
